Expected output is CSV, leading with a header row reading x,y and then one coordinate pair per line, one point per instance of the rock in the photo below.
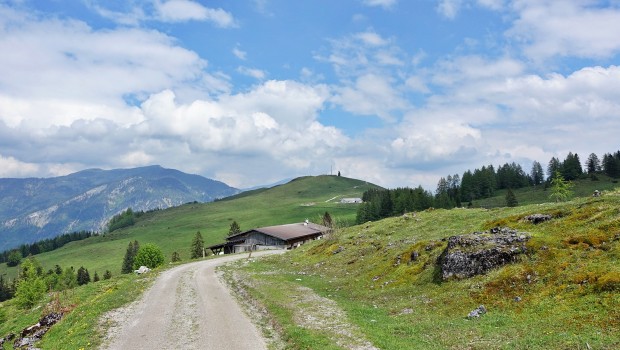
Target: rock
x,y
537,218
477,312
414,256
407,311
339,250
34,333
517,299
142,269
476,253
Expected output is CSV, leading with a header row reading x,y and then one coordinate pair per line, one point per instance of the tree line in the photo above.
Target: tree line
x,y
456,191
32,282
13,256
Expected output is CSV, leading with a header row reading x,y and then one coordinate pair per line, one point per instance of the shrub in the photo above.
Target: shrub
x,y
176,257
107,275
150,256
14,258
30,287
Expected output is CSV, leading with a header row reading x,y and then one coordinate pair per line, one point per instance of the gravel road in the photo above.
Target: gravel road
x,y
186,308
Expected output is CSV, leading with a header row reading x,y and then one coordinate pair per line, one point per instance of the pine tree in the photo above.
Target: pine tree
x,y
553,167
83,277
197,248
560,188
107,275
96,277
234,229
511,199
537,175
130,254
175,257
593,164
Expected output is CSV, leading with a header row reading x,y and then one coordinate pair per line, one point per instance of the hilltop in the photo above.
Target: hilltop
x,y
34,209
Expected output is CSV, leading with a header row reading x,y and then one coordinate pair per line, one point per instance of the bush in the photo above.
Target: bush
x,y
30,287
107,275
14,258
150,256
176,257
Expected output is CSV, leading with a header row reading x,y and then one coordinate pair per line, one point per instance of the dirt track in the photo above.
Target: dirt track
x,y
187,308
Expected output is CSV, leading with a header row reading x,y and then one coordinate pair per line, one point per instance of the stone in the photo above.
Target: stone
x,y
477,312
537,218
142,269
517,299
475,254
414,256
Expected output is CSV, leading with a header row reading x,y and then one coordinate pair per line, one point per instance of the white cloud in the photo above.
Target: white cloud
x,y
566,28
449,8
370,95
11,167
252,72
383,3
240,54
63,70
187,10
371,38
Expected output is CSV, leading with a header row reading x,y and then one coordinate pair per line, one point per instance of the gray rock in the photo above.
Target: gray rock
x,y
476,253
477,312
537,218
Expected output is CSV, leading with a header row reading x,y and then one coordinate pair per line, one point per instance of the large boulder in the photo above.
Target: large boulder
x,y
478,252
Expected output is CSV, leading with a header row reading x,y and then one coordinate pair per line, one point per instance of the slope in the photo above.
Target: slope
x,y
564,293
173,229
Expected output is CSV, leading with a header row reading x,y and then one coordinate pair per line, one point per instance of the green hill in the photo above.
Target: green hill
x,y
173,229
564,293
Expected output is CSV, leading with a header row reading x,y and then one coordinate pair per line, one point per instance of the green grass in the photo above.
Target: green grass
x,y
84,306
540,194
570,300
174,228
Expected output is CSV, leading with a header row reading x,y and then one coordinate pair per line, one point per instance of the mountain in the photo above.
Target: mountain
x,y
33,209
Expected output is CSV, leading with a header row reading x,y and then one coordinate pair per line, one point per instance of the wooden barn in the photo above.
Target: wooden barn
x,y
272,237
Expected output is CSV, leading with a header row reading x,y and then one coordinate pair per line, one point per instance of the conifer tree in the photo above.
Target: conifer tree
x,y
511,199
198,245
107,275
327,220
83,277
234,229
96,277
175,257
130,254
560,188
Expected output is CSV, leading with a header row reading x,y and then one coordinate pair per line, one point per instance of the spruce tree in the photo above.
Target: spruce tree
x,y
83,277
175,257
198,245
130,254
560,188
234,229
511,199
107,275
96,277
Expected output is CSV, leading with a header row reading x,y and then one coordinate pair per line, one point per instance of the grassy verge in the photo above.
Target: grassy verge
x,y
84,306
564,294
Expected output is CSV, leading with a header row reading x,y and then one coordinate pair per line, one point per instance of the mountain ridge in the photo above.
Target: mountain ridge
x,y
32,209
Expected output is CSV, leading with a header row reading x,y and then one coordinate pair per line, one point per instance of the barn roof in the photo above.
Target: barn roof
x,y
288,232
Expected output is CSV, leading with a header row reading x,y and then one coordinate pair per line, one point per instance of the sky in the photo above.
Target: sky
x,y
250,92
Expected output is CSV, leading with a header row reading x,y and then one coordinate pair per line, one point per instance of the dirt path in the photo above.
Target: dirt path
x,y
187,308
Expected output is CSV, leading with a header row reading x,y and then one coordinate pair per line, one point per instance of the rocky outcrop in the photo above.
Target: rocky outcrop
x,y
537,218
32,334
478,252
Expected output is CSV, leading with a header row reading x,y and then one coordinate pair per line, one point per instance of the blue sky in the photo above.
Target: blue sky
x,y
395,92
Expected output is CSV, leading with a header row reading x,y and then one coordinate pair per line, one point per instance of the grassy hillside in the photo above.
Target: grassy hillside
x,y
564,294
540,194
173,229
